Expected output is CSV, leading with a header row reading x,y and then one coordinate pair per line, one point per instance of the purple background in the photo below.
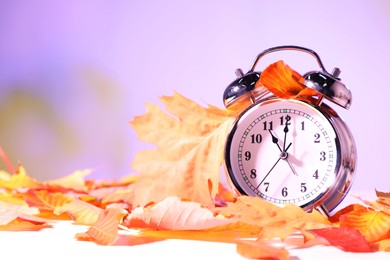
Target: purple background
x,y
73,73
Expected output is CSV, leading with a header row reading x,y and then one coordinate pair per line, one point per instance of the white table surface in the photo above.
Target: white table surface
x,y
59,243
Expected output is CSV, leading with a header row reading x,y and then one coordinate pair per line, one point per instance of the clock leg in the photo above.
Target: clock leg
x,y
323,210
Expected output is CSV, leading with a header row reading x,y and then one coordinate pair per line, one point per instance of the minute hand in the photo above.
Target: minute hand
x,y
285,136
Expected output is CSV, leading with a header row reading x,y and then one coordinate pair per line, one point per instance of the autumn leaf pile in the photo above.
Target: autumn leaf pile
x,y
177,193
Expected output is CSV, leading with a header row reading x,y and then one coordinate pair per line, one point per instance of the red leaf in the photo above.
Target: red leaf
x,y
348,239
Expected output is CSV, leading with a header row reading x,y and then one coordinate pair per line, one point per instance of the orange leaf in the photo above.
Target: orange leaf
x,y
105,230
126,195
261,249
383,245
373,225
348,239
82,212
47,201
229,233
175,214
284,82
189,143
20,225
275,221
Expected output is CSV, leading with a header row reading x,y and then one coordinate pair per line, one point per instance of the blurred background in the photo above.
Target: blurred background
x,y
74,73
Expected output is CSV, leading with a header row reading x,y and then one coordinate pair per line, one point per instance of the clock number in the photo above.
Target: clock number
x,y
256,139
323,156
284,192
253,174
287,118
315,175
266,184
303,187
248,155
303,125
268,125
316,138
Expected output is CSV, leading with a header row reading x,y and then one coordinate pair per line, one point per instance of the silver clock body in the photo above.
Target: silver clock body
x,y
309,161
294,150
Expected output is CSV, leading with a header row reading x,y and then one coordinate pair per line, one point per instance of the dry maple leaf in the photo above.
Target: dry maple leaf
x,y
21,225
81,211
261,249
20,179
347,239
274,220
9,212
373,225
174,214
383,245
105,230
284,82
74,181
189,141
45,200
382,203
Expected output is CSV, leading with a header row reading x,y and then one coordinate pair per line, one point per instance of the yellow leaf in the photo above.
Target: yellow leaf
x,y
275,221
373,225
20,179
189,143
74,181
384,245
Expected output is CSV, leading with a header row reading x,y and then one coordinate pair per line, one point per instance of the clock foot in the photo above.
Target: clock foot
x,y
323,210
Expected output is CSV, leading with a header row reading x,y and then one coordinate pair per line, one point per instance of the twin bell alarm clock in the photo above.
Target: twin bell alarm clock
x,y
295,150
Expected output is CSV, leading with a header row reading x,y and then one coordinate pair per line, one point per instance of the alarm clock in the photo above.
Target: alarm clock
x,y
296,150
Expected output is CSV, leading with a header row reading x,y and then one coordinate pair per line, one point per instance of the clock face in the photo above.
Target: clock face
x,y
282,151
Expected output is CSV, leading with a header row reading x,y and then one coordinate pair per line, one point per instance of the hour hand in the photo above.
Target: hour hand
x,y
275,140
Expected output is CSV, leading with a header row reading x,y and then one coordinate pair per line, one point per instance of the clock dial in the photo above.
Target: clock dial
x,y
282,151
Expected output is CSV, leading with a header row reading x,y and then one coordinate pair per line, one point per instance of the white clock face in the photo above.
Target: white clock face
x,y
283,152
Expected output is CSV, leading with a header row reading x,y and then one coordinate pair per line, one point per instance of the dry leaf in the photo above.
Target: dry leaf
x,y
348,239
46,200
189,143
261,249
82,212
20,225
230,233
274,220
373,225
284,82
20,179
74,181
105,230
9,212
175,214
383,245
383,202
